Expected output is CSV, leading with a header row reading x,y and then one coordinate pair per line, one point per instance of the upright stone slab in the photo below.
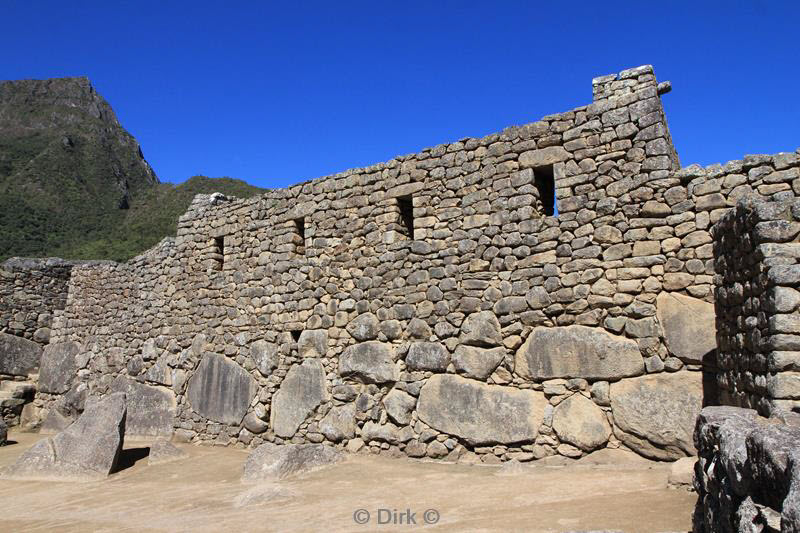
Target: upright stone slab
x,y
689,325
655,414
577,352
58,368
220,390
18,356
303,390
481,413
87,450
151,410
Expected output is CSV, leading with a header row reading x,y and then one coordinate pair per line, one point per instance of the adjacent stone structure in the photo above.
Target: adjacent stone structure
x,y
747,476
431,305
757,256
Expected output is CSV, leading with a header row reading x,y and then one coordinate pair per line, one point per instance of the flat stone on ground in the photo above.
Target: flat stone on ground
x,y
271,462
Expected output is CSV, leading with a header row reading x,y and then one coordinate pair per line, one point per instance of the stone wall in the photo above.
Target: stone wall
x,y
758,327
747,475
31,290
482,330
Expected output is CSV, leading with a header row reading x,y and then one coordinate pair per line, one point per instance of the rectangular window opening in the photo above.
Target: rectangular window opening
x,y
300,228
406,205
545,183
218,252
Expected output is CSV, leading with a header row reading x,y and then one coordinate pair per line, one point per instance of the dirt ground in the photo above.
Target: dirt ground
x,y
203,492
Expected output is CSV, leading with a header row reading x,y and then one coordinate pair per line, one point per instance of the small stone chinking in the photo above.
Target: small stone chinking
x,y
435,305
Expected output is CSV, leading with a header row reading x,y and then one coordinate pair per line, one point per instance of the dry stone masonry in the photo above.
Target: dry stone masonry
x,y
434,305
757,299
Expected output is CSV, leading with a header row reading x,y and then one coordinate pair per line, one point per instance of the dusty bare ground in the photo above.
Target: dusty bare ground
x,y
203,493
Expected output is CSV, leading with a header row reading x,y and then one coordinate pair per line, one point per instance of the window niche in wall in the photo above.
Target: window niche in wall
x,y
296,334
218,253
545,183
299,227
406,206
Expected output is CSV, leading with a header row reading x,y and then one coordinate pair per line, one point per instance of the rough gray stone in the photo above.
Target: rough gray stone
x,y
399,406
163,451
87,450
372,431
253,424
220,389
580,422
302,391
577,352
543,157
313,343
18,356
364,327
266,356
271,462
689,326
655,414
151,410
339,423
481,329
481,413
477,363
3,432
431,356
369,362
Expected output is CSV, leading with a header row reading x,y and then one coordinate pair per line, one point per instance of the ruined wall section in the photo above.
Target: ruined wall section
x,y
31,290
244,331
756,256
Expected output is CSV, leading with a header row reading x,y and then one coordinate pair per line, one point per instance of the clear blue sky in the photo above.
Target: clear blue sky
x,y
289,91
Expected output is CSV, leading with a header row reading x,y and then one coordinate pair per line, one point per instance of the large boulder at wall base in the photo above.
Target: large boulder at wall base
x,y
220,390
689,325
18,356
58,367
303,390
369,362
577,352
87,450
151,410
272,462
481,413
580,422
481,329
655,414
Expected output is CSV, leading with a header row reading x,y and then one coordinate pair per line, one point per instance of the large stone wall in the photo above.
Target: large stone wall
x,y
492,332
758,326
31,290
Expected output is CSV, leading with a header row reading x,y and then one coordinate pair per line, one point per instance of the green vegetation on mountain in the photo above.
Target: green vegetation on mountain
x,y
74,183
